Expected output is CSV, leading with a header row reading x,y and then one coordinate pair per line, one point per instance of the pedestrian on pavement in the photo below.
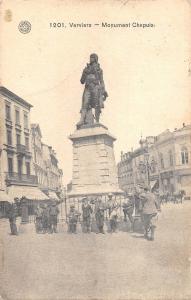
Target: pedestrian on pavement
x,y
113,219
38,218
99,215
128,207
86,214
149,212
53,218
12,215
110,203
112,206
73,217
45,218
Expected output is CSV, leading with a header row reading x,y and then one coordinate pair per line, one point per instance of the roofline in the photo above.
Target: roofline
x,y
7,93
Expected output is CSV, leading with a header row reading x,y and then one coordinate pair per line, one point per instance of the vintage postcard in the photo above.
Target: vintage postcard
x,y
95,149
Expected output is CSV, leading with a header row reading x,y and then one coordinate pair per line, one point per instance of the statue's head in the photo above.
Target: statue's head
x,y
93,58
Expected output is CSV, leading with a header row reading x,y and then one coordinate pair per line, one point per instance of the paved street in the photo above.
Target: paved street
x,y
117,266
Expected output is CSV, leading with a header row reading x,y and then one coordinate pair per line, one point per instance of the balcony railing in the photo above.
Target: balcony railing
x,y
12,178
21,148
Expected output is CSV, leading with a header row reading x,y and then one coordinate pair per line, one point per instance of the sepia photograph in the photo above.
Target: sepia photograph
x,y
95,150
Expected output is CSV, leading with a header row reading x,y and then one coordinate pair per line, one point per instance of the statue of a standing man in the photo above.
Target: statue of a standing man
x,y
94,93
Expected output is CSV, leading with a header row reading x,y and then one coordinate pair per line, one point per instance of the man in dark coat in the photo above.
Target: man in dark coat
x,y
38,219
45,218
149,212
73,219
53,219
12,215
99,216
128,207
86,215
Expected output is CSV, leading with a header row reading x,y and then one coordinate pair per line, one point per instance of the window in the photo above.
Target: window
x,y
27,143
10,165
161,161
28,168
170,158
17,116
18,138
20,166
9,137
184,155
25,120
8,112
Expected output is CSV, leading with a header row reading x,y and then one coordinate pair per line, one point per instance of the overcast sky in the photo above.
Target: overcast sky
x,y
146,71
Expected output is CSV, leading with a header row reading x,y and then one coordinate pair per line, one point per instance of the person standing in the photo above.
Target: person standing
x,y
86,215
73,219
149,212
112,207
45,218
38,219
99,216
53,217
128,207
12,215
113,219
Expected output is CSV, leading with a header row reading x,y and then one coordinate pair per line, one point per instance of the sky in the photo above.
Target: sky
x,y
147,71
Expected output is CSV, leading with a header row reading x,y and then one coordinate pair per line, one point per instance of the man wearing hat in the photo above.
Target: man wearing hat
x,y
45,218
12,215
112,206
38,218
53,212
128,207
99,215
149,212
110,203
73,219
86,214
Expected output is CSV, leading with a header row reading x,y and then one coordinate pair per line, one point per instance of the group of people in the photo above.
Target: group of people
x,y
142,204
47,218
98,212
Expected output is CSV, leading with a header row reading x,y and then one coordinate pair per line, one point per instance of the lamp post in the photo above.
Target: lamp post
x,y
144,168
147,168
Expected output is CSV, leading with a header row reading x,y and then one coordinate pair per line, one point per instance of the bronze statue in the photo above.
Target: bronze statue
x,y
94,93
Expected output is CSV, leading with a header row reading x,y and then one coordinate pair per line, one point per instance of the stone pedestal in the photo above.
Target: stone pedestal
x,y
94,167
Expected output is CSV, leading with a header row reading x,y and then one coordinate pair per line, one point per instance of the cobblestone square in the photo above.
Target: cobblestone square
x,y
97,266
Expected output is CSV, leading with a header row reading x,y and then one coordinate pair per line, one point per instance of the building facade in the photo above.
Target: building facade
x,y
163,161
27,166
39,164
17,173
45,165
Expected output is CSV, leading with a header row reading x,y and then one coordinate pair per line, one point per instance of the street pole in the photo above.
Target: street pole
x,y
146,155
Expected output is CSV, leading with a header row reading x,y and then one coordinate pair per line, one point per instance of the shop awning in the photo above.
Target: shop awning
x,y
4,197
52,195
30,192
154,184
